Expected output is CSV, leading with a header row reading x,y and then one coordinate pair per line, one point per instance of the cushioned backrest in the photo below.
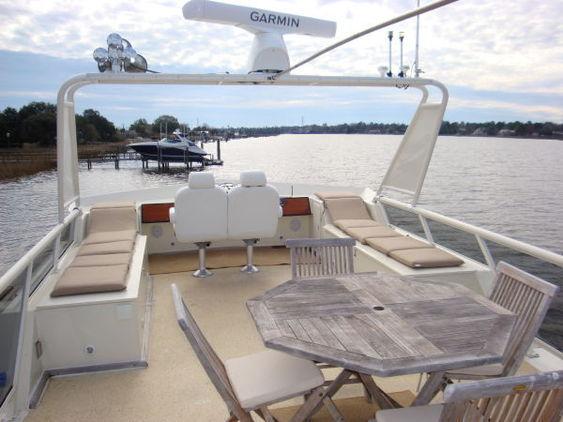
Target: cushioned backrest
x,y
347,208
201,181
253,178
200,215
112,219
253,212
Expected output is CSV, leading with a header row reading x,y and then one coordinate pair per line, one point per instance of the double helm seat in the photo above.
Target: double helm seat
x,y
204,212
254,211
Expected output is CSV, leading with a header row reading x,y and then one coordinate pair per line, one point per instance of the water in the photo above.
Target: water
x,y
510,186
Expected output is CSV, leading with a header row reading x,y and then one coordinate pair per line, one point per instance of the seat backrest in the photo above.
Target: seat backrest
x,y
530,398
110,217
254,208
200,210
529,298
211,363
347,209
311,258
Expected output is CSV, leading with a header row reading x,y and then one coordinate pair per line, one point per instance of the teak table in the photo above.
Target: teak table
x,y
384,325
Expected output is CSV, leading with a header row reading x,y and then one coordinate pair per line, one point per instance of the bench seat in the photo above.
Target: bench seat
x,y
101,260
426,258
356,222
123,246
110,236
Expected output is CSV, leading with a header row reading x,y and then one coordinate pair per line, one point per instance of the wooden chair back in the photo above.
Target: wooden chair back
x,y
530,398
211,363
312,258
529,298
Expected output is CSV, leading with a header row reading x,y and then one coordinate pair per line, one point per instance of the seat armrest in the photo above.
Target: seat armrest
x,y
280,211
172,214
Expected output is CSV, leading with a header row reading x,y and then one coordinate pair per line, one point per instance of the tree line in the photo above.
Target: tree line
x,y
35,123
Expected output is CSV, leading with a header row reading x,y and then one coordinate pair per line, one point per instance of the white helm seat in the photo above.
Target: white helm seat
x,y
200,214
254,211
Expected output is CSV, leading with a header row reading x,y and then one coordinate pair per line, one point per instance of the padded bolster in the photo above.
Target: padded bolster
x,y
124,246
348,224
426,258
113,236
101,260
253,178
323,196
361,234
347,209
80,280
203,180
123,204
386,245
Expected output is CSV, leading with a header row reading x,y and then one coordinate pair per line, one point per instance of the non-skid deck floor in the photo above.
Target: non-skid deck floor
x,y
174,387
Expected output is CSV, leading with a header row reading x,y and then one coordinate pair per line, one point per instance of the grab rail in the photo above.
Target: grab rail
x,y
479,233
40,247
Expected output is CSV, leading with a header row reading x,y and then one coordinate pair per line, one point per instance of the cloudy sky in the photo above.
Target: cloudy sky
x,y
501,60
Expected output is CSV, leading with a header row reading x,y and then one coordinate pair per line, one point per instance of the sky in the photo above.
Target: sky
x,y
500,60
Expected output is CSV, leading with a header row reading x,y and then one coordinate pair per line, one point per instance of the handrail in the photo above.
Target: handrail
x,y
479,232
24,262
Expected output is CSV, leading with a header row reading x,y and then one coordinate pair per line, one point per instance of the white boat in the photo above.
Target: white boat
x,y
98,339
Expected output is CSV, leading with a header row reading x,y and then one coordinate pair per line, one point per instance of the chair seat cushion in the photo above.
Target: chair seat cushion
x,y
347,208
484,370
335,195
387,245
124,246
81,280
270,376
101,260
363,233
425,258
122,204
113,236
349,223
411,414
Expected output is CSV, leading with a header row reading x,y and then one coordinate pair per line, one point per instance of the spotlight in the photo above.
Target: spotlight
x,y
119,56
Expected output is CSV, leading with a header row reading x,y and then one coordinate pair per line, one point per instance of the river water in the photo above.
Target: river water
x,y
510,186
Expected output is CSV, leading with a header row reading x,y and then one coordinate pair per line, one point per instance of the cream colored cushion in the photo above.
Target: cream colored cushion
x,y
271,376
411,414
122,204
387,245
80,280
426,258
346,224
485,370
347,208
112,219
363,233
101,260
125,246
335,195
114,236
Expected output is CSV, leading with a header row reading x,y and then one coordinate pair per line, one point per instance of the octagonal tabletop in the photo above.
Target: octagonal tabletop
x,y
382,324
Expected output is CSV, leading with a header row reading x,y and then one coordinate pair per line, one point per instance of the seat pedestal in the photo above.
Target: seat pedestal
x,y
202,272
249,267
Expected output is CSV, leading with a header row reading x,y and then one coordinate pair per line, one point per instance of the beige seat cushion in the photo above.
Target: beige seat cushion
x,y
124,246
484,370
80,280
121,204
336,195
101,260
426,258
387,245
363,233
271,376
105,237
112,219
347,208
347,224
411,414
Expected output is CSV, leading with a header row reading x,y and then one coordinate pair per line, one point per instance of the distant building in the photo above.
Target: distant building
x,y
480,131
